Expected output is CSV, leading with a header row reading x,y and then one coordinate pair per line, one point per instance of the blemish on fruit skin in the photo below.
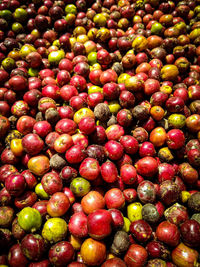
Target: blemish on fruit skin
x,y
131,258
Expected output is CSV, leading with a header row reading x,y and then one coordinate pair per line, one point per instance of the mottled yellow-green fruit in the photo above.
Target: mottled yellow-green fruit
x,y
30,219
185,195
55,57
25,50
54,230
166,89
122,77
194,34
165,154
80,186
6,14
79,30
100,20
95,89
72,41
126,226
8,64
133,84
39,190
71,9
131,51
134,211
92,33
13,134
90,46
156,28
140,43
103,34
17,27
56,43
70,18
95,66
114,106
181,26
92,58
20,15
82,38
33,72
177,121
197,9
83,113
169,72
36,33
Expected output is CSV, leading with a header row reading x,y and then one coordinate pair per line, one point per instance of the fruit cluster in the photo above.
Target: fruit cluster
x,y
99,133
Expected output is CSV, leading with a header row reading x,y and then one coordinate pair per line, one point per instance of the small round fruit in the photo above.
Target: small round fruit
x,y
58,204
29,219
134,211
54,230
80,186
93,252
61,253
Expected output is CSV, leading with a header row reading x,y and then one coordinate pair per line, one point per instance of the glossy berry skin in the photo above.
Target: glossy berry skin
x,y
33,246
42,128
32,144
190,230
99,224
109,172
136,256
130,144
147,149
114,150
15,184
168,233
89,168
128,174
175,139
147,166
61,253
16,256
157,249
141,230
58,204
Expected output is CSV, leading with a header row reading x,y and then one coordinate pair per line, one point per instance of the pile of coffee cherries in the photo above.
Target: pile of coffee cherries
x,y
100,133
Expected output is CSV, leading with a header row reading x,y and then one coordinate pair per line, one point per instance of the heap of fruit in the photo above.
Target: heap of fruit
x,y
100,133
